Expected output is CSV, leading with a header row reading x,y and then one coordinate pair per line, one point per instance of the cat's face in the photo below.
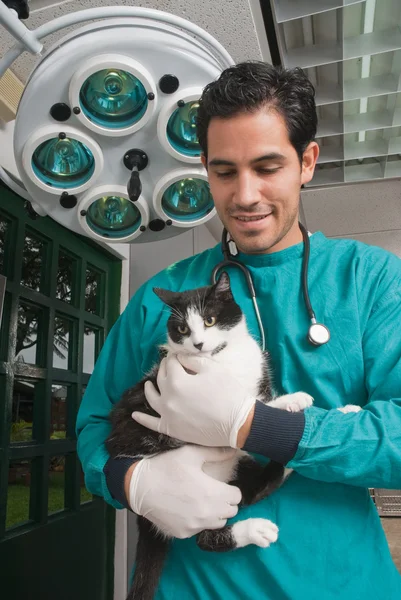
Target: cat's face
x,y
203,320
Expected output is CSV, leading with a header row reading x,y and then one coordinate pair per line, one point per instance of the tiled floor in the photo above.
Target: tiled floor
x,y
392,527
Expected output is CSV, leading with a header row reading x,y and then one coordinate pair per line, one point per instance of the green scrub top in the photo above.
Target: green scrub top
x,y
331,544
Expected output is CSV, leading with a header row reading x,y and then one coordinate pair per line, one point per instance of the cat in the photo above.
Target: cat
x,y
205,320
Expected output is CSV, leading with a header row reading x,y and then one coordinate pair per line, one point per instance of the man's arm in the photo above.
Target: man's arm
x,y
364,448
117,369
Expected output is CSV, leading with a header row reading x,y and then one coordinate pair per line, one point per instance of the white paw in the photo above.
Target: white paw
x,y
293,402
260,532
349,408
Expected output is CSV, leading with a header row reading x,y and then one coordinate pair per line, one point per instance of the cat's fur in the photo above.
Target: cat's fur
x,y
229,342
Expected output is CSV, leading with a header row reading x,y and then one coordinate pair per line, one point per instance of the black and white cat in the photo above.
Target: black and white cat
x,y
208,321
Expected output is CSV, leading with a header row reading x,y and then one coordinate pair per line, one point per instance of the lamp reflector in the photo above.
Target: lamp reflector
x,y
63,163
188,199
113,98
181,129
113,217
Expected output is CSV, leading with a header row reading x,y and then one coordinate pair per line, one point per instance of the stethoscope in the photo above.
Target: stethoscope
x,y
318,334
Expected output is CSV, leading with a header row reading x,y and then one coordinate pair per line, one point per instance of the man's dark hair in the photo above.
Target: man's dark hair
x,y
251,85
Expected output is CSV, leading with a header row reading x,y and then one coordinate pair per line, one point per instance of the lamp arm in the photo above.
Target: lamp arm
x,y
108,12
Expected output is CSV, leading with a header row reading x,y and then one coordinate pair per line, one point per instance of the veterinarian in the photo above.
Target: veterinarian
x,y
256,127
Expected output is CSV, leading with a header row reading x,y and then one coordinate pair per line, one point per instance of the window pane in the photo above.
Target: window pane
x,y
22,411
4,225
56,484
32,262
29,322
58,424
93,291
65,277
91,348
19,480
62,343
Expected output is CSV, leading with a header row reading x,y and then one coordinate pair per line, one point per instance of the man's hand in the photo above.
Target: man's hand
x,y
172,491
208,407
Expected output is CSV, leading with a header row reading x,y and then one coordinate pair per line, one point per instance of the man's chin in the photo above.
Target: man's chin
x,y
255,244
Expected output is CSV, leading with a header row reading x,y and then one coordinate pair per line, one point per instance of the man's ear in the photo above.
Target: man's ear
x,y
166,296
204,161
309,158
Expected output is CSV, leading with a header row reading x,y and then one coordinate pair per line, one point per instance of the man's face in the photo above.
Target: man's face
x,y
255,178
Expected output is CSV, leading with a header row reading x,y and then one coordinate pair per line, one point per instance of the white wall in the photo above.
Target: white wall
x,y
369,212
148,259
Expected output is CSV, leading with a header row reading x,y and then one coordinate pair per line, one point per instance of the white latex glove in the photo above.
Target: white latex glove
x,y
172,491
206,408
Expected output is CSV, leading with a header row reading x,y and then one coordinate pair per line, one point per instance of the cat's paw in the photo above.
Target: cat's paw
x,y
293,402
260,532
350,408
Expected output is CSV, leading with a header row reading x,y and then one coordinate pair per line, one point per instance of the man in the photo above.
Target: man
x,y
256,128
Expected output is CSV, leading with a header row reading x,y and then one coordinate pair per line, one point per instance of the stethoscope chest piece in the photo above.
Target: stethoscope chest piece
x,y
318,334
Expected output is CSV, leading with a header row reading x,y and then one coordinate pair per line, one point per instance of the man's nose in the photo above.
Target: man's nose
x,y
247,191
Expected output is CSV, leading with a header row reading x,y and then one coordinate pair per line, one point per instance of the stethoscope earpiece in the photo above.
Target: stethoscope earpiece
x,y
318,333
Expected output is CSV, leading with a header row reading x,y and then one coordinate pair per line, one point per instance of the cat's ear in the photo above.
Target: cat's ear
x,y
166,296
223,284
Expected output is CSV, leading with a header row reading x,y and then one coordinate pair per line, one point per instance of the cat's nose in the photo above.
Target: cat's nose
x,y
199,346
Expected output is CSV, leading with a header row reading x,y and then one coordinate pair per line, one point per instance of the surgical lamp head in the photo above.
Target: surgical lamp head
x,y
105,136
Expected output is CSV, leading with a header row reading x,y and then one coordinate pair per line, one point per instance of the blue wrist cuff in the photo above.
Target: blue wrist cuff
x,y
115,470
275,433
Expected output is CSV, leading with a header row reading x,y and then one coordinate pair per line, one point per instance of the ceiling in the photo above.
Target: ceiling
x,y
351,51
237,35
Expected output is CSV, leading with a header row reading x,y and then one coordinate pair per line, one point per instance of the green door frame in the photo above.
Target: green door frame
x,y
68,317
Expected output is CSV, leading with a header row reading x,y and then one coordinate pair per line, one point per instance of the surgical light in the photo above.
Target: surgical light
x,y
108,213
176,126
113,215
187,199
105,137
181,129
113,98
184,198
63,162
58,158
112,94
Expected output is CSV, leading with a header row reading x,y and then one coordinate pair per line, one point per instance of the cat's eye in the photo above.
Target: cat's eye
x,y
183,329
210,321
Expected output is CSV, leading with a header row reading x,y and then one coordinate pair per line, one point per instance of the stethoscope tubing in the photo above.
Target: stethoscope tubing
x,y
318,333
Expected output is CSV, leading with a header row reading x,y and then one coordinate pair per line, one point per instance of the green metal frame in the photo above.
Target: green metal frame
x,y
84,254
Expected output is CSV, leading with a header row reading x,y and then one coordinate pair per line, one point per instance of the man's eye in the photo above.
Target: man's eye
x,y
224,174
183,329
269,171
